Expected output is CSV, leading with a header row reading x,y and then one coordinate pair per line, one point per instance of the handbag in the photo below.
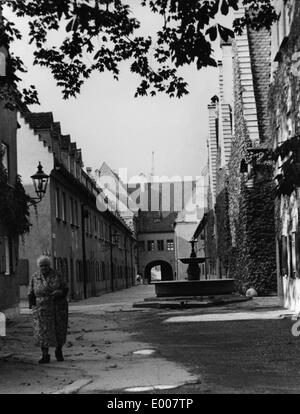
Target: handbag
x,y
31,300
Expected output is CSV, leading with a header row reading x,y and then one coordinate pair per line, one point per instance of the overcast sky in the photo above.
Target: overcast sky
x,y
110,125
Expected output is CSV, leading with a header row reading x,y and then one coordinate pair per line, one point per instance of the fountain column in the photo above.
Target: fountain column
x,y
193,270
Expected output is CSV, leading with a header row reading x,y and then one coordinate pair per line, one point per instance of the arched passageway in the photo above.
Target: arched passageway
x,y
158,270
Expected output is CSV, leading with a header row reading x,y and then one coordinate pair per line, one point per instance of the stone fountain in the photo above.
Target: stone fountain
x,y
193,286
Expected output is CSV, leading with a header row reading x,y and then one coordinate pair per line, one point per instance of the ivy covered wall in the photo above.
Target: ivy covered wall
x,y
251,210
224,243
284,104
245,243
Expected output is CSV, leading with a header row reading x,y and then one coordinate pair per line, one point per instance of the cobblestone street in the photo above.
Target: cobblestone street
x,y
206,351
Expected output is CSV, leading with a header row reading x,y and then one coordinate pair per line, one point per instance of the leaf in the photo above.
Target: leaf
x,y
212,32
224,7
225,33
234,4
69,25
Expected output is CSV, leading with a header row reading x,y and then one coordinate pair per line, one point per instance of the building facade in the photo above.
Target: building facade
x,y
156,245
88,241
251,184
9,295
285,128
168,213
240,226
9,215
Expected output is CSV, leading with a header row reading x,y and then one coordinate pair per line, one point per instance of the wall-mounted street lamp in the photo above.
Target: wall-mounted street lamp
x,y
40,183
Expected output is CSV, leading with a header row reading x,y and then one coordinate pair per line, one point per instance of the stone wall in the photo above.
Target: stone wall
x,y
243,217
251,210
284,103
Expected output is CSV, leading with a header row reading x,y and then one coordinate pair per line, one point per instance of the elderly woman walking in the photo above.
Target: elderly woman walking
x,y
47,294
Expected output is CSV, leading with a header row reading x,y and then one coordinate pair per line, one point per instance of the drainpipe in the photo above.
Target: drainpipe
x,y
111,259
218,262
132,263
84,215
205,252
138,260
126,262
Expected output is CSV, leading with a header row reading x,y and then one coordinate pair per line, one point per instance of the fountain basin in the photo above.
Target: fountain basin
x,y
194,287
193,260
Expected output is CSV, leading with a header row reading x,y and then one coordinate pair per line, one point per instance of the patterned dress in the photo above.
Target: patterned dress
x,y
50,314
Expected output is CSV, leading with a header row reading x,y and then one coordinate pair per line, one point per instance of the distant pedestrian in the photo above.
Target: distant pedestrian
x,y
138,279
47,294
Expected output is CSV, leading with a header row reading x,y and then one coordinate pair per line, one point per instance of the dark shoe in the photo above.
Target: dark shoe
x,y
59,355
45,359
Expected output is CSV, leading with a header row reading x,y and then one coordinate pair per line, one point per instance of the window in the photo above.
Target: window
x,y
141,245
151,245
57,204
76,213
160,245
72,219
4,153
120,241
95,225
64,206
79,271
5,255
91,224
97,272
103,271
87,219
170,245
88,268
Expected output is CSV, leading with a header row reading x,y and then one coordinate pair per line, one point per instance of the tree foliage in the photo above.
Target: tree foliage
x,y
14,209
101,34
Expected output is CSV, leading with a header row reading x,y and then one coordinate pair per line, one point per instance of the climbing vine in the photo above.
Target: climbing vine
x,y
224,243
14,210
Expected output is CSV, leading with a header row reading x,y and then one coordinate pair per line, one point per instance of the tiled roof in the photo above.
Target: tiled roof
x,y
73,148
39,120
105,169
177,192
56,130
65,142
155,221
